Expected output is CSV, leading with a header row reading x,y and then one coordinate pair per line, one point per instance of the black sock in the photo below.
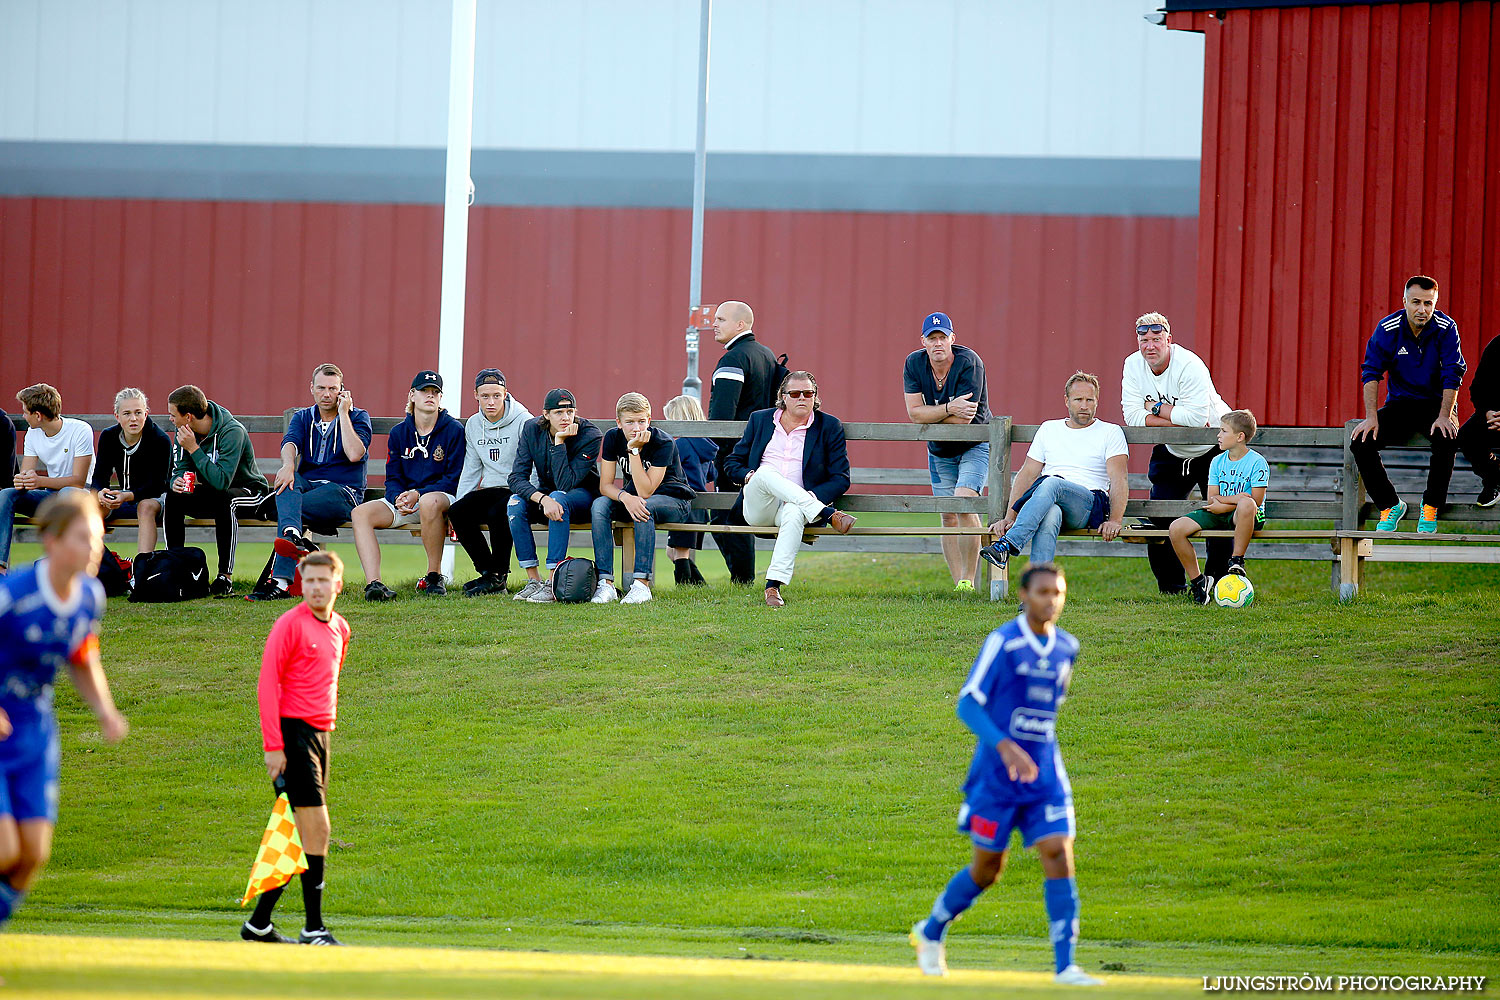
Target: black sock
x,y
261,918
1196,580
312,892
682,570
774,583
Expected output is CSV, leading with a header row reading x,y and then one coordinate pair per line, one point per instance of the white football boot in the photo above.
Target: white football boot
x,y
932,958
1074,976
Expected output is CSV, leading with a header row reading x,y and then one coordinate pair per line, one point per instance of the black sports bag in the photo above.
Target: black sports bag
x,y
574,581
170,575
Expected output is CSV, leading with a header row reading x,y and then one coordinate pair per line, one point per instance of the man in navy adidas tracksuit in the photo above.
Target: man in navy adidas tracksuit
x,y
1417,348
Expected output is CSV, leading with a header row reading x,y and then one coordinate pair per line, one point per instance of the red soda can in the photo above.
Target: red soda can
x,y
189,481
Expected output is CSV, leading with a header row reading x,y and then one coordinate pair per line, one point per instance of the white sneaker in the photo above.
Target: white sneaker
x,y
528,591
1074,976
605,593
639,593
931,955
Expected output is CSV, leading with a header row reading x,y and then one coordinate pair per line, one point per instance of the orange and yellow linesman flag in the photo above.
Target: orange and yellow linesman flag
x,y
280,856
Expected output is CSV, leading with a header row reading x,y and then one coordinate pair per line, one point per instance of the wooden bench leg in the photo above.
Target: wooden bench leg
x,y
999,582
1351,564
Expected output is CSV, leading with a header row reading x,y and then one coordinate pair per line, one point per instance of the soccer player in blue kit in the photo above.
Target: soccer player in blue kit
x,y
49,617
1017,780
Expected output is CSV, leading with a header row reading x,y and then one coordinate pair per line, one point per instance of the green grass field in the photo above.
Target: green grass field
x,y
1297,787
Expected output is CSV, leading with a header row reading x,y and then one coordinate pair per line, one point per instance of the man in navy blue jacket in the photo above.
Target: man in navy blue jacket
x,y
1479,437
324,455
1418,347
562,451
792,464
424,459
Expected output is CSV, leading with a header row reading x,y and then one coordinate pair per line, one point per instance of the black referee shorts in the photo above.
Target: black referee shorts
x,y
306,772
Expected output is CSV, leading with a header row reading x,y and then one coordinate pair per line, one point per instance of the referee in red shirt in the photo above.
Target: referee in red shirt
x,y
299,693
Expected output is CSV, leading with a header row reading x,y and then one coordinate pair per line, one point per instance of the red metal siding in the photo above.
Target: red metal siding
x,y
1344,149
244,298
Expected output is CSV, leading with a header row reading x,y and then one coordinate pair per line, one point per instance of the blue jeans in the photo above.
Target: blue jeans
x,y
324,504
970,470
606,511
1056,502
522,514
12,501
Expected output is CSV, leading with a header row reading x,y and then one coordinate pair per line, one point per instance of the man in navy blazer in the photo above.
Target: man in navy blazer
x,y
792,464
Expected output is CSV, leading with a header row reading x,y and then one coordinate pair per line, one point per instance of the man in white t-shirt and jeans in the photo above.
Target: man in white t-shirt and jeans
x,y
1074,476
1167,385
57,455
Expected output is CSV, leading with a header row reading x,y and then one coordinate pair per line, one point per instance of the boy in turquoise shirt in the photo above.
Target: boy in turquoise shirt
x,y
1237,480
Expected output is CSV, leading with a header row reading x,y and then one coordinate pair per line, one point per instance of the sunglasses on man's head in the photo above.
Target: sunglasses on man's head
x,y
801,393
1152,328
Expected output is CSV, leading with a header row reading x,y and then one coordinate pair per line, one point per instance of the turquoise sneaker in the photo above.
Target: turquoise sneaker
x,y
1392,516
1427,521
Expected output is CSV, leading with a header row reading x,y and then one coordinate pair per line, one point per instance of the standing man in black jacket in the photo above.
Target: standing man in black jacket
x,y
563,451
1479,437
743,382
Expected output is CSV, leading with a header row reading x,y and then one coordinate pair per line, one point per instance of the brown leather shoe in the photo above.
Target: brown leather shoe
x,y
773,598
841,522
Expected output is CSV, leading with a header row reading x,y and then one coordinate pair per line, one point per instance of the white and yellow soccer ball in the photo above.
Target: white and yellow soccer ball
x,y
1233,591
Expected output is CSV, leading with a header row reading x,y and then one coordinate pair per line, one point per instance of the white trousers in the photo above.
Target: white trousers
x,y
771,498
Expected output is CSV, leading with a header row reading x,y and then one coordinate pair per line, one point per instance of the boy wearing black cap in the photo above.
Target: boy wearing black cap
x,y
424,458
491,437
564,453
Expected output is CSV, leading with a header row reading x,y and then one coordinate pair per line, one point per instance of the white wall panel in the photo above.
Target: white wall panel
x,y
959,77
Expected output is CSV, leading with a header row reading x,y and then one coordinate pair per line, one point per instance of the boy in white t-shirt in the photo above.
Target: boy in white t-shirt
x,y
1074,475
56,456
1237,481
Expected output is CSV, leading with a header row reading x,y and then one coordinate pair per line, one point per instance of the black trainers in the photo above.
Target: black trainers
x,y
1489,494
997,554
377,591
270,592
485,583
1236,567
221,587
268,936
319,936
1203,589
434,585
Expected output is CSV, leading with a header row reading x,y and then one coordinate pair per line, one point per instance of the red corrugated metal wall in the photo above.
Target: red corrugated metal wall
x,y
244,298
1344,149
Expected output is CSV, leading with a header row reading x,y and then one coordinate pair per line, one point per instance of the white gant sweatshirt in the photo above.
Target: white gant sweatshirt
x,y
1186,386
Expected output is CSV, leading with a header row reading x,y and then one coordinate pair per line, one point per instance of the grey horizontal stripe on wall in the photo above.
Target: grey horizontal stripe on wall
x,y
769,181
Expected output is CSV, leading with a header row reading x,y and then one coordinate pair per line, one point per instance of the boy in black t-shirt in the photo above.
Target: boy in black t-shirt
x,y
138,455
655,490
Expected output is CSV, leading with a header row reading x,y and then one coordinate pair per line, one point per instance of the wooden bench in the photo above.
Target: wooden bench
x,y
1311,470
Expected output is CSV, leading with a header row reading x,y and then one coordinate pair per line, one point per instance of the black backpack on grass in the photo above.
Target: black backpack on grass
x,y
574,581
170,575
114,574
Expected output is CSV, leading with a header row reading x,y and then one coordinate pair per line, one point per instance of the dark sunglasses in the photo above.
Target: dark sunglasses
x,y
1152,328
801,393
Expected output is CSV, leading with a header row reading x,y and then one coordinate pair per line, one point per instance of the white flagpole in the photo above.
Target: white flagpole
x,y
457,193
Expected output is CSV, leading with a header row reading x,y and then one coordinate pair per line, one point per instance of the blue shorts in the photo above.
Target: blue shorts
x,y
970,470
29,782
989,824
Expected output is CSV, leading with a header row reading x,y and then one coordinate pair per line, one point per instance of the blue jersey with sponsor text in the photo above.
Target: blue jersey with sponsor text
x,y
39,633
1020,679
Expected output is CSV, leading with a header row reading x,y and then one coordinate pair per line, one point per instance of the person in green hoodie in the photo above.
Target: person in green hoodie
x,y
226,485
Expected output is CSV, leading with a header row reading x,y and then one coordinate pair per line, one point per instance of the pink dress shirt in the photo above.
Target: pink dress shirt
x,y
784,453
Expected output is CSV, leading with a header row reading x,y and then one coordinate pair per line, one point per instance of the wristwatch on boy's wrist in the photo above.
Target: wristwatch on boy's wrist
x,y
1156,407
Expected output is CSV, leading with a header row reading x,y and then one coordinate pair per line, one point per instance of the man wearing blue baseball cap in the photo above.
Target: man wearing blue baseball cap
x,y
945,384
